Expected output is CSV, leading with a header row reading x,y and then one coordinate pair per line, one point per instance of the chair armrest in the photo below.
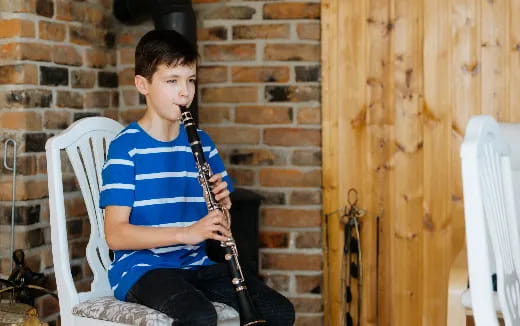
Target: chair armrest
x,y
457,284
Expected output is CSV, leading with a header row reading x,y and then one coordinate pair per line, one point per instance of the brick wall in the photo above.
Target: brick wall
x,y
57,64
259,98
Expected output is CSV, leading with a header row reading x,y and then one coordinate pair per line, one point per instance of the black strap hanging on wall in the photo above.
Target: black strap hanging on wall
x,y
352,276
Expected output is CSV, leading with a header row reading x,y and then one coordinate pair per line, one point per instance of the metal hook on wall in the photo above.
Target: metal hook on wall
x,y
11,168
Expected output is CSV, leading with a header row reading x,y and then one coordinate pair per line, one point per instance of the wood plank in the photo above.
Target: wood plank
x,y
407,185
436,245
352,106
513,49
330,116
379,123
495,37
466,98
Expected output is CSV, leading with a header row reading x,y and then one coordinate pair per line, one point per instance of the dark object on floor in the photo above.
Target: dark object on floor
x,y
23,285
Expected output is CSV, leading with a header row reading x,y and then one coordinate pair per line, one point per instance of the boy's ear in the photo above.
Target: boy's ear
x,y
141,83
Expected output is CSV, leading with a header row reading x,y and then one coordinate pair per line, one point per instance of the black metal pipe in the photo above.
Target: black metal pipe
x,y
175,15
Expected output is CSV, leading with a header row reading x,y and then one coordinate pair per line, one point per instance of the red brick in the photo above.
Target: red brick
x,y
307,304
16,28
270,177
131,115
308,31
309,115
249,156
42,164
306,157
271,74
308,240
25,51
242,177
111,114
69,99
308,283
26,188
282,217
126,77
228,12
236,94
25,98
234,135
66,10
272,239
97,99
57,119
292,10
304,262
80,12
130,97
25,165
130,37
217,33
22,6
277,282
67,55
94,16
305,197
126,56
24,120
263,114
292,52
229,52
213,114
212,74
83,78
84,35
52,31
254,32
292,137
19,74
100,58
299,93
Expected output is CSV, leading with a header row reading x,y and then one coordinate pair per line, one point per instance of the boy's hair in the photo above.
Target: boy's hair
x,y
163,47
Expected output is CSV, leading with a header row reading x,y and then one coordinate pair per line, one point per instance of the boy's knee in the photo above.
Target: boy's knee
x,y
191,310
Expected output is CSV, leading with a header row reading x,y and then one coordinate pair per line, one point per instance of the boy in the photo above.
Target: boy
x,y
156,218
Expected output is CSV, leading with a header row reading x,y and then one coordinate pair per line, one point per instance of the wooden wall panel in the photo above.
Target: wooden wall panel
x,y
401,78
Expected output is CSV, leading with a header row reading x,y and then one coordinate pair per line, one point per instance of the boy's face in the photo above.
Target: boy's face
x,y
171,86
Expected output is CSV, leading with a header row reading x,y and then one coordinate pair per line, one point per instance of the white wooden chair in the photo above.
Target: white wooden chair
x,y
86,142
491,184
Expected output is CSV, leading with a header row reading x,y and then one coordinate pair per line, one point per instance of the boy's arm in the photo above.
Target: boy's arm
x,y
121,235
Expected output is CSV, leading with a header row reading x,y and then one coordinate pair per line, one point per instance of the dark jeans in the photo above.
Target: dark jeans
x,y
186,295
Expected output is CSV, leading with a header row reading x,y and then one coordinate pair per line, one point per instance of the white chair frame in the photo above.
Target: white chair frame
x,y
491,183
86,142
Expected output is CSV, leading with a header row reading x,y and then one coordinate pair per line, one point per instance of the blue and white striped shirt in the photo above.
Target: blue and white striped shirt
x,y
159,181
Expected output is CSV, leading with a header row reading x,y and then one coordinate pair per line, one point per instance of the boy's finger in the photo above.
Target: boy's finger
x,y
215,177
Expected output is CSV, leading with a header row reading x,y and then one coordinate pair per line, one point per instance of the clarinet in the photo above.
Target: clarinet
x,y
248,313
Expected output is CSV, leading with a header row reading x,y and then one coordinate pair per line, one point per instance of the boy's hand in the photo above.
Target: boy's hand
x,y
212,226
220,190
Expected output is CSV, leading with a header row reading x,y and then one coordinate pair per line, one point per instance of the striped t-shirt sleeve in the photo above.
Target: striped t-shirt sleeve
x,y
118,178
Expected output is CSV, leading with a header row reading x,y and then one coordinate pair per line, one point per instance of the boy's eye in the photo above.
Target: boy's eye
x,y
173,81
193,80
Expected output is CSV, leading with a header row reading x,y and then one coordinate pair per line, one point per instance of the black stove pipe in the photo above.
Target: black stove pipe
x,y
175,15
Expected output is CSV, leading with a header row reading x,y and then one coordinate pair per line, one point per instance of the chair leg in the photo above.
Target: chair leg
x,y
457,284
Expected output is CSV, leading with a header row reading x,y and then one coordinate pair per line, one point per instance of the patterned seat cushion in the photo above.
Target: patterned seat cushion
x,y
111,309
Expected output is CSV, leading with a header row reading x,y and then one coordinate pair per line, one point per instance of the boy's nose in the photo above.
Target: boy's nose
x,y
183,91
